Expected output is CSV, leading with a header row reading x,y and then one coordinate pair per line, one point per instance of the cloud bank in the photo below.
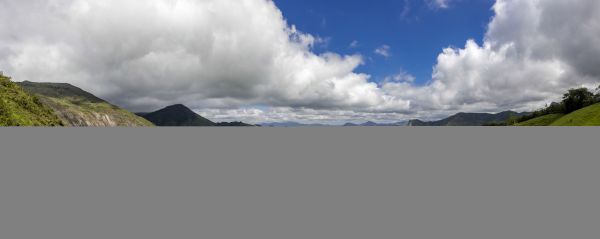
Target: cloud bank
x,y
241,58
206,54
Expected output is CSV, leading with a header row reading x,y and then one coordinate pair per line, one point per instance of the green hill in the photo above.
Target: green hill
x,y
76,107
19,108
588,116
545,120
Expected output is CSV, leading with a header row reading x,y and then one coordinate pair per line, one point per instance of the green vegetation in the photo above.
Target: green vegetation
x,y
18,108
76,107
545,120
588,116
579,107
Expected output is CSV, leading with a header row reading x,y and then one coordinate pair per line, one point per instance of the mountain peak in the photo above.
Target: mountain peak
x,y
369,123
59,90
177,115
180,107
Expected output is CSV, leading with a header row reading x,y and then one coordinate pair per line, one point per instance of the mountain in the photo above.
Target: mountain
x,y
290,124
369,124
469,119
296,124
20,108
233,124
76,107
176,115
588,116
181,115
373,124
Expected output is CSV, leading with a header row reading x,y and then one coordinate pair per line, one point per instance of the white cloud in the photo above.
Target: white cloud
x,y
384,51
207,54
301,115
533,51
438,3
354,44
402,76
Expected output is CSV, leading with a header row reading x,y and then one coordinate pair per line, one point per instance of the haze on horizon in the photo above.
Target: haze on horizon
x,y
245,60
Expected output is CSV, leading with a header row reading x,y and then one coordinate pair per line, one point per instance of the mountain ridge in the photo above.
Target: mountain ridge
x,y
469,119
180,115
79,108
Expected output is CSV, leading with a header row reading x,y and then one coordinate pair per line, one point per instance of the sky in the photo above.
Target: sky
x,y
415,31
308,61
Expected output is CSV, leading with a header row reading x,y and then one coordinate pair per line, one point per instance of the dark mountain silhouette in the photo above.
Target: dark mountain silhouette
x,y
233,124
180,115
176,115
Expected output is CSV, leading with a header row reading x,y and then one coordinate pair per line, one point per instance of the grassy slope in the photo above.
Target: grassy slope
x,y
19,108
542,120
96,114
76,107
589,116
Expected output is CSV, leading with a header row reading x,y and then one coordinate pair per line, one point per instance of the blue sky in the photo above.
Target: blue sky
x,y
415,31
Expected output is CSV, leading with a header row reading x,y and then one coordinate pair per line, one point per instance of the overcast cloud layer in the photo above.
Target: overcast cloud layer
x,y
241,60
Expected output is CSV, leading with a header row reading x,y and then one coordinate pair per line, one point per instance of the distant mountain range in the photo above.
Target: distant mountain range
x,y
290,124
469,119
296,124
180,115
373,124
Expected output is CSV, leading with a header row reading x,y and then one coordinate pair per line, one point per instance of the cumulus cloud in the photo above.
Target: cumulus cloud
x,y
533,51
207,54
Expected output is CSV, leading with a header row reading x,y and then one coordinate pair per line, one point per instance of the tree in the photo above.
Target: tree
x,y
597,95
576,99
554,108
